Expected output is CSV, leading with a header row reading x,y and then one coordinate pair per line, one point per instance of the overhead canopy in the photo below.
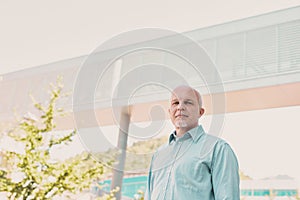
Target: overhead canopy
x,y
258,60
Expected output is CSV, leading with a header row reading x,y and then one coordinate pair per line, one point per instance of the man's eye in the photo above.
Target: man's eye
x,y
175,102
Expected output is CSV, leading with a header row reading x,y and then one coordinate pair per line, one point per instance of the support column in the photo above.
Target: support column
x,y
118,171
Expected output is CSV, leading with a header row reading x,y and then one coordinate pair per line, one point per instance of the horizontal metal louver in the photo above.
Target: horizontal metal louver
x,y
230,56
260,52
289,46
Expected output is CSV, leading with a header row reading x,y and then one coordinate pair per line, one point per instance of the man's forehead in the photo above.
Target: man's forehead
x,y
188,94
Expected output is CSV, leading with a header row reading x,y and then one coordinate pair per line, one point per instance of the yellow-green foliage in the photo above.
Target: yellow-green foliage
x,y
41,177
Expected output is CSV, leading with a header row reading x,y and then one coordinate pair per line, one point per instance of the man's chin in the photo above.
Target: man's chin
x,y
181,124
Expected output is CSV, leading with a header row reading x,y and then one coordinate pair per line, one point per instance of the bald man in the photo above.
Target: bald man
x,y
193,165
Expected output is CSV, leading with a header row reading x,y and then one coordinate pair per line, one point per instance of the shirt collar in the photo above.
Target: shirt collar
x,y
194,133
172,137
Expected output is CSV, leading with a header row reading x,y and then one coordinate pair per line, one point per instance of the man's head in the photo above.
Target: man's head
x,y
185,108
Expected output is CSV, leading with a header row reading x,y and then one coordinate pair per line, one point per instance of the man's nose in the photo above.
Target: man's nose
x,y
180,106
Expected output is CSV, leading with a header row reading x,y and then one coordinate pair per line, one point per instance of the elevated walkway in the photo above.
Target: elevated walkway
x,y
258,59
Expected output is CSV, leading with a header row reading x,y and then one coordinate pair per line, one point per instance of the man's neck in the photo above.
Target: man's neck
x,y
180,131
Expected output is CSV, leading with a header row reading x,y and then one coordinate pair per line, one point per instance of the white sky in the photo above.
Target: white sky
x,y
38,32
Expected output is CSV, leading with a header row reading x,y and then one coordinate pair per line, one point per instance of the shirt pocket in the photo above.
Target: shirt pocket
x,y
193,174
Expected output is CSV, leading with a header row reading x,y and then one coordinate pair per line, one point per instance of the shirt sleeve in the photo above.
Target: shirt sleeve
x,y
147,195
225,173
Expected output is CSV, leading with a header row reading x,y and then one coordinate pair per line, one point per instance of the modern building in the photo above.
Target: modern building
x,y
260,52
283,187
254,59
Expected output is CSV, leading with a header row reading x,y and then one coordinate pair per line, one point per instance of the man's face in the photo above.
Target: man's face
x,y
185,109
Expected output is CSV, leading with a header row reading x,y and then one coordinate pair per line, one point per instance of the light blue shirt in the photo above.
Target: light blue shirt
x,y
196,166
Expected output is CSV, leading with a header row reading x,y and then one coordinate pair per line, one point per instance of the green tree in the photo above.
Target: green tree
x,y
40,177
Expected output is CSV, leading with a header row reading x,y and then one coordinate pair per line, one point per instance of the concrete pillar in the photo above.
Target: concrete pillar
x,y
118,170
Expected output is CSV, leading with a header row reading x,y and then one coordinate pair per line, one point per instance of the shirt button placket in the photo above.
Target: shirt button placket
x,y
177,147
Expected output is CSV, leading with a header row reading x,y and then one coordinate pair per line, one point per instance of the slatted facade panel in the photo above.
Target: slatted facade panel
x,y
230,56
133,62
256,53
210,47
289,46
260,52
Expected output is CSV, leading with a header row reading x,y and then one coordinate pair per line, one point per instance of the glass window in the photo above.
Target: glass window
x,y
261,192
285,192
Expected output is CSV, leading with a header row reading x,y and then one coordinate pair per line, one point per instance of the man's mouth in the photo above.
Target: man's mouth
x,y
181,115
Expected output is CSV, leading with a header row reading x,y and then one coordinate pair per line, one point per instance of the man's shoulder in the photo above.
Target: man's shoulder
x,y
162,147
212,143
209,138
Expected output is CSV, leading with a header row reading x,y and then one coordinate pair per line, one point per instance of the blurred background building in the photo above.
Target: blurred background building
x,y
258,59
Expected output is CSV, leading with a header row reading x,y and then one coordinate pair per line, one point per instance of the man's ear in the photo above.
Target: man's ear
x,y
201,112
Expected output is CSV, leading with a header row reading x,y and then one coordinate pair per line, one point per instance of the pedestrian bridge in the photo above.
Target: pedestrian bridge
x,y
257,59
